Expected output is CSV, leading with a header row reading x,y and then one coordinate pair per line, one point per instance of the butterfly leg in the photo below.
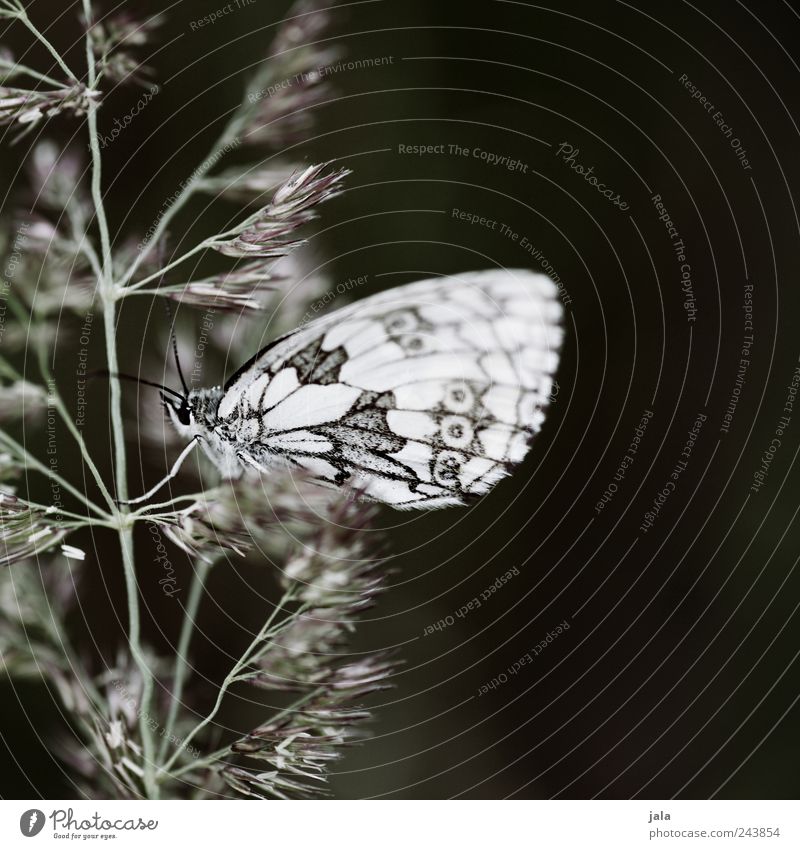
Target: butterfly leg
x,y
252,462
172,473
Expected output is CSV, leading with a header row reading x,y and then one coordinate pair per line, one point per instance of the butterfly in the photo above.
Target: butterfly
x,y
422,396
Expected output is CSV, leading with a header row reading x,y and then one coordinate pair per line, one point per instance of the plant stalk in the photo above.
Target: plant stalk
x,y
23,17
181,657
107,289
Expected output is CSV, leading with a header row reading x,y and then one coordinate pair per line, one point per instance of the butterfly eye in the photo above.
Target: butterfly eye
x,y
184,415
180,409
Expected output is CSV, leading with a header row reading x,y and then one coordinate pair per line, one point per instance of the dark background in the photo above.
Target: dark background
x,y
678,674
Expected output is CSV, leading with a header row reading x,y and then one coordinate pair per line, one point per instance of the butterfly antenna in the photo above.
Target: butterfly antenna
x,y
106,373
174,339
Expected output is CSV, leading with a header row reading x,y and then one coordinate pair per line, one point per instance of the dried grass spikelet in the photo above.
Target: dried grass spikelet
x,y
293,82
267,233
28,107
335,574
22,400
26,530
248,287
116,38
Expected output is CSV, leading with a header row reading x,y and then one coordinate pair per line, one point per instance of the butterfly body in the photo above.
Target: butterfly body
x,y
423,396
196,418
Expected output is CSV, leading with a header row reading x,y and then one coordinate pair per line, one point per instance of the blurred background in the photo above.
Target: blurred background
x,y
678,673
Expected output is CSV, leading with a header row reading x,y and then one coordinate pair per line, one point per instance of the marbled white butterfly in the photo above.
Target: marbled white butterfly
x,y
422,396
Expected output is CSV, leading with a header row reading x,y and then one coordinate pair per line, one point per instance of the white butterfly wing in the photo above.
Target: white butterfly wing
x,y
422,396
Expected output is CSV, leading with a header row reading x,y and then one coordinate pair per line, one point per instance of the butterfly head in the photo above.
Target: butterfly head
x,y
195,413
179,410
